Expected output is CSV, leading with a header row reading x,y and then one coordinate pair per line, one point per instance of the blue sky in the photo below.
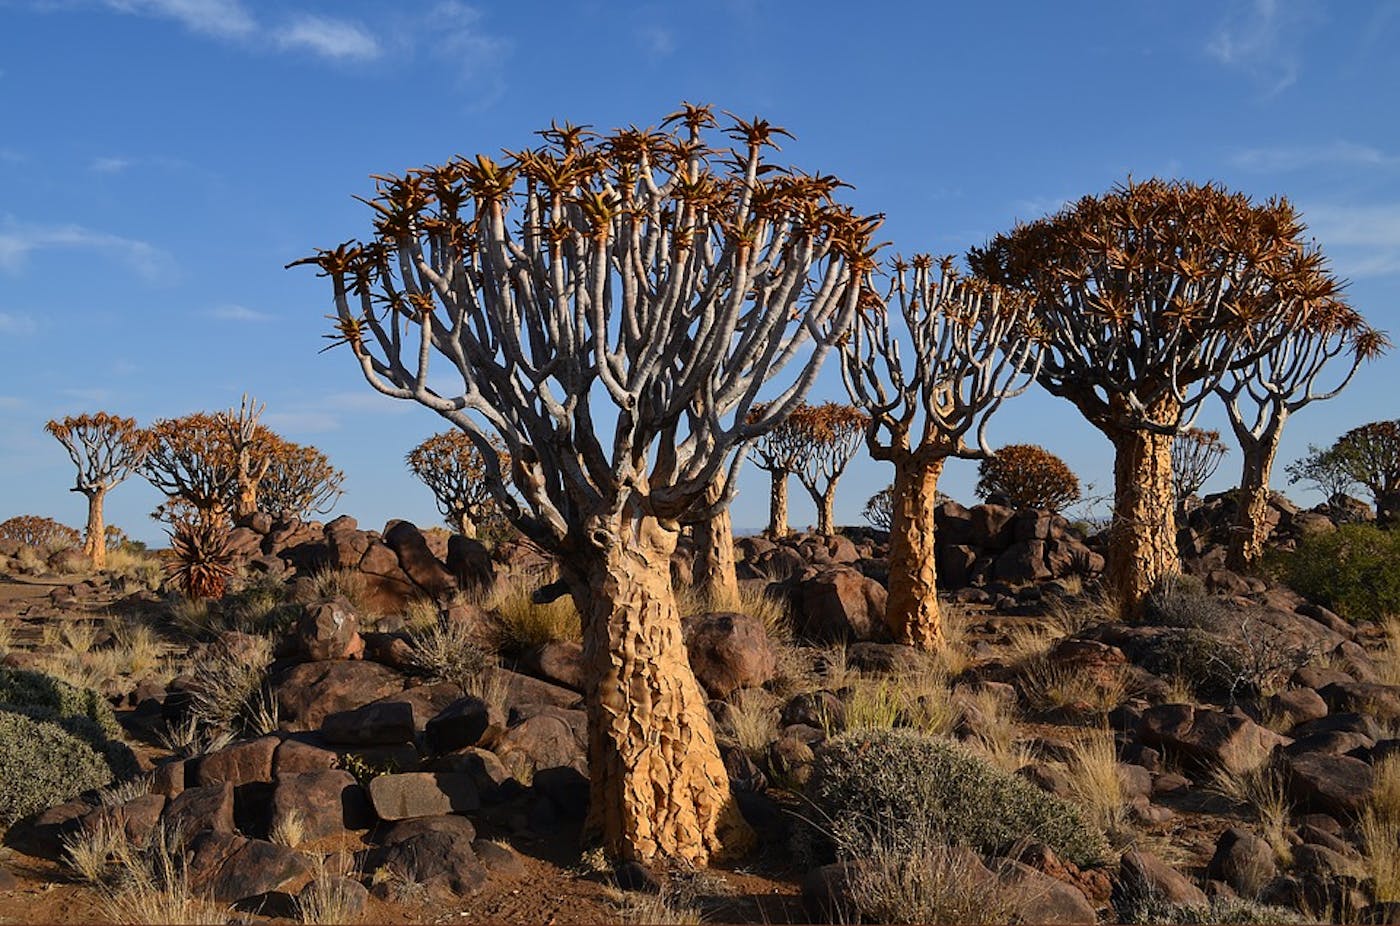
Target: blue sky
x,y
161,160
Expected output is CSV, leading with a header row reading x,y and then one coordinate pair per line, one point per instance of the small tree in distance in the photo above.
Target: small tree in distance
x,y
299,482
1196,455
879,509
657,274
106,449
1326,469
829,436
1371,456
43,534
777,452
456,473
1028,476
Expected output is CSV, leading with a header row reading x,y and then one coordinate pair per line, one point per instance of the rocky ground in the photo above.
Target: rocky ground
x,y
380,726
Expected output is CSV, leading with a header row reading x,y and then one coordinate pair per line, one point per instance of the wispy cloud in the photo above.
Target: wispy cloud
x,y
1262,39
461,39
238,313
657,42
109,165
12,323
329,38
225,19
19,240
1339,153
1363,241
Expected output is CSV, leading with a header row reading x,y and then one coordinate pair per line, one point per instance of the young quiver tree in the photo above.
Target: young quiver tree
x,y
191,461
455,472
106,450
1146,296
776,452
1028,476
879,509
972,348
652,275
829,435
1328,471
1196,455
1260,397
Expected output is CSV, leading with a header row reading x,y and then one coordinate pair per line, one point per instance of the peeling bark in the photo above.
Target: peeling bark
x,y
1142,537
715,576
658,787
95,537
778,504
912,612
1249,532
826,511
247,501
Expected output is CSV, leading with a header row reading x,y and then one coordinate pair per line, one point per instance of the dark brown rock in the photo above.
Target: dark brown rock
x,y
728,651
1329,784
239,764
557,662
840,604
549,737
1244,861
422,794
329,629
197,809
310,692
1208,737
328,802
257,868
381,723
466,722
1143,875
417,560
296,757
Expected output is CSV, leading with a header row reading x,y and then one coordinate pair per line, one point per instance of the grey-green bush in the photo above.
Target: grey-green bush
x,y
1212,664
42,763
868,787
24,688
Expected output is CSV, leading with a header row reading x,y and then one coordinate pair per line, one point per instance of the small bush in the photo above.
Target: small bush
x,y
1354,570
23,688
1225,911
229,692
43,763
873,785
1215,668
1181,600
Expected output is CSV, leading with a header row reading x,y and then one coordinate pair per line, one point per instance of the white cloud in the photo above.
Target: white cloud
x,y
109,165
1262,38
657,41
1298,157
329,38
238,313
306,421
12,323
227,19
1363,241
18,241
460,39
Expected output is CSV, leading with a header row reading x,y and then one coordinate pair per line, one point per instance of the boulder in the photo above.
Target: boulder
x,y
297,757
558,662
1142,875
1041,898
1208,738
1244,861
549,737
885,658
840,604
422,794
466,722
240,763
470,563
350,897
327,802
454,825
443,863
1023,561
991,526
137,819
387,587
329,629
310,692
256,868
417,560
1297,705
346,543
381,723
197,809
728,651
1329,784
493,780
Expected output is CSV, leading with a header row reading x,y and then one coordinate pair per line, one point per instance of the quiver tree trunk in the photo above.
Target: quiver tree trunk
x,y
826,510
778,504
715,576
1251,529
1142,537
465,525
658,787
95,536
246,502
911,611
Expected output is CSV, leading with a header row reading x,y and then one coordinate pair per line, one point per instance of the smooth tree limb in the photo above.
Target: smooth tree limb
x,y
972,348
612,307
106,449
1147,296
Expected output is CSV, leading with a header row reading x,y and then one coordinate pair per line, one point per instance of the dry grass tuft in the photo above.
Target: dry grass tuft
x,y
156,888
521,624
1379,828
994,729
344,583
1264,793
327,899
753,722
451,651
1050,686
1095,783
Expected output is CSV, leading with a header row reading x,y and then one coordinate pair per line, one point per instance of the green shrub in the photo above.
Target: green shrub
x,y
868,787
1354,570
43,763
1214,667
24,688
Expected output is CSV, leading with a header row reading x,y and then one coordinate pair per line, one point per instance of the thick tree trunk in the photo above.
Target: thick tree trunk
x,y
247,501
826,511
95,537
466,526
715,576
658,787
1142,537
912,612
1250,531
778,504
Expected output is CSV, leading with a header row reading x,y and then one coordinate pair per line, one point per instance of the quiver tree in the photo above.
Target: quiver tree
x,y
1260,397
1196,455
43,534
715,576
971,349
191,461
1371,456
298,482
642,270
879,509
1146,296
1328,470
252,448
456,473
829,435
106,450
777,452
1028,476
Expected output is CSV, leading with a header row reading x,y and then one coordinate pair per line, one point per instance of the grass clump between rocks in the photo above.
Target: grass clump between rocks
x,y
868,786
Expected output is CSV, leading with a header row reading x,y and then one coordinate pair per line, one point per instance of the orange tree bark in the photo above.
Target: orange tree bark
x,y
778,504
1142,537
715,576
912,612
1250,529
658,787
95,538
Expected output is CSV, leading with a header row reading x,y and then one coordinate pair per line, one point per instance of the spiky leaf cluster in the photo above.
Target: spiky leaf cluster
x,y
201,558
1028,476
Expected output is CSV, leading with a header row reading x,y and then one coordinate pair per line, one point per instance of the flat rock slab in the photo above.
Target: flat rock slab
x,y
423,794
